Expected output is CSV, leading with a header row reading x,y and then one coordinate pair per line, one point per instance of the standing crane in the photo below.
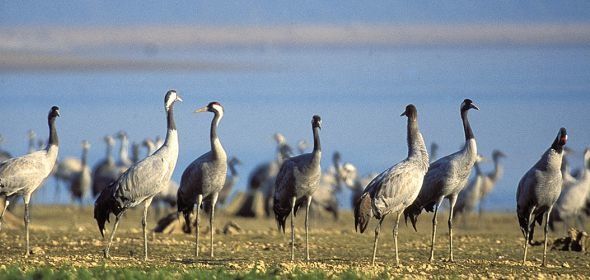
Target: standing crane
x,y
141,181
204,177
538,190
23,175
395,188
295,184
445,178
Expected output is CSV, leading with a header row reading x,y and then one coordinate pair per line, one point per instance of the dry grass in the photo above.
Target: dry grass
x,y
67,238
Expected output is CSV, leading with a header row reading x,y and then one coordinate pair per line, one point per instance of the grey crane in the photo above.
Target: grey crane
x,y
573,197
81,182
329,186
302,146
31,136
204,177
105,171
4,155
23,175
567,174
230,181
395,188
297,180
538,190
124,161
490,180
433,151
445,178
141,181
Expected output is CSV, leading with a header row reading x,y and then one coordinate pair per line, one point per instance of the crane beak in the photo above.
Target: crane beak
x,y
473,106
201,110
403,114
58,114
178,98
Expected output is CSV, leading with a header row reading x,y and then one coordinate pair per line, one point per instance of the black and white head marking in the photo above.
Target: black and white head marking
x,y
171,97
316,121
411,112
54,112
468,104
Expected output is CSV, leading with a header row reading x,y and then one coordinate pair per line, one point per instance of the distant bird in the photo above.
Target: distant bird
x,y
149,145
573,197
329,186
490,180
397,187
135,152
230,181
302,146
470,196
166,198
204,177
124,161
433,151
445,178
23,175
105,171
262,178
81,182
141,181
538,190
31,136
567,175
295,184
4,155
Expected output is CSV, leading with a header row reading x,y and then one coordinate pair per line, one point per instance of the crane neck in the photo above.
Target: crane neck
x,y
497,170
170,118
216,147
124,150
317,146
477,168
232,170
466,126
53,139
416,146
84,157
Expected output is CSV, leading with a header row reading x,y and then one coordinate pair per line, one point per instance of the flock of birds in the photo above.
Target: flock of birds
x,y
548,191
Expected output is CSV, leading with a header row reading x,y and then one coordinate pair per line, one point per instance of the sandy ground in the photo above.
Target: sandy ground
x,y
488,247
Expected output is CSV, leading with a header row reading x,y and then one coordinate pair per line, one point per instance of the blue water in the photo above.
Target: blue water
x,y
525,95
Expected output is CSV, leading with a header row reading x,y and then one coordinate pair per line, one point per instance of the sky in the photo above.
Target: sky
x,y
269,12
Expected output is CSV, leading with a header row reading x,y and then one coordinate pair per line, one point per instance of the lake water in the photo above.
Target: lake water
x,y
525,95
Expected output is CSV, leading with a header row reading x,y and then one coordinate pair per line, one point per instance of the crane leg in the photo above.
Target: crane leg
x,y
27,220
146,206
434,231
546,229
395,232
526,234
307,229
198,221
211,217
293,228
452,201
377,230
106,251
6,203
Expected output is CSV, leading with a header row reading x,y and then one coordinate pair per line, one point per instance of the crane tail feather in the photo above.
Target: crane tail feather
x,y
412,213
363,212
104,205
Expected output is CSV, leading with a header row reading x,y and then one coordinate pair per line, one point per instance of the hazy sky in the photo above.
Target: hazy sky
x,y
99,12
